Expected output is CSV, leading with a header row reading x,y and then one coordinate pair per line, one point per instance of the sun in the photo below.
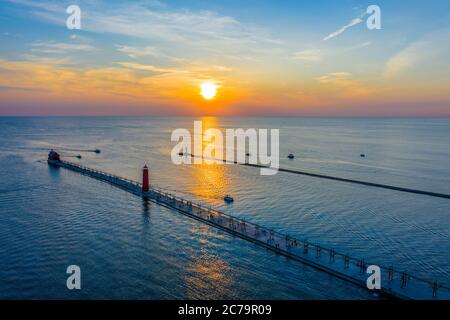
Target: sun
x,y
209,90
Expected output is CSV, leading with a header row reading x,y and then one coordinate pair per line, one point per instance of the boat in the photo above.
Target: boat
x,y
228,199
97,151
362,155
78,156
291,156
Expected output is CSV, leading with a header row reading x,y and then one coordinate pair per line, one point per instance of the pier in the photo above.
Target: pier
x,y
395,283
360,182
334,178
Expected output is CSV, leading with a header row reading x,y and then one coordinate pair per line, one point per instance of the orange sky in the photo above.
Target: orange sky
x,y
331,68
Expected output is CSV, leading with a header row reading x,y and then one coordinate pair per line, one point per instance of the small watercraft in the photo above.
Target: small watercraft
x,y
362,155
97,151
228,199
291,156
78,156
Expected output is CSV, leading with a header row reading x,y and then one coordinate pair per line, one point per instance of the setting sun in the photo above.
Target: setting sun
x,y
209,90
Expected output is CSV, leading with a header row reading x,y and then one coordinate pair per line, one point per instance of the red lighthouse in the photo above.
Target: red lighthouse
x,y
53,156
145,180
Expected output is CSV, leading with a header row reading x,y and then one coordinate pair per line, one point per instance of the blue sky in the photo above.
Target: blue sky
x,y
307,56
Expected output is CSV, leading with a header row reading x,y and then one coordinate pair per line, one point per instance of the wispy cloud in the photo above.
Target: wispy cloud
x,y
47,60
151,68
352,23
310,55
193,70
199,29
334,77
80,38
360,45
148,51
60,47
419,53
12,88
343,84
405,59
135,52
135,81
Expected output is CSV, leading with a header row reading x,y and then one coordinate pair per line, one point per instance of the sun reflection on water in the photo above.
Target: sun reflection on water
x,y
210,180
209,273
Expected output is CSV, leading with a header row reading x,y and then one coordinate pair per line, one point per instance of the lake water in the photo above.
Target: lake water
x,y
126,248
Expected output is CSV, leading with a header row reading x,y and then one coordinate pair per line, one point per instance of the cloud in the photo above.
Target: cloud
x,y
47,6
135,52
360,45
352,23
35,76
433,46
60,47
192,71
193,29
47,60
310,55
126,84
79,38
150,68
342,84
404,60
12,88
138,52
334,77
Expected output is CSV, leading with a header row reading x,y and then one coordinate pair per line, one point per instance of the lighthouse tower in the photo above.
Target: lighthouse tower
x,y
145,180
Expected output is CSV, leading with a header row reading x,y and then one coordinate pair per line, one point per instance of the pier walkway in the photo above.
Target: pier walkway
x,y
394,283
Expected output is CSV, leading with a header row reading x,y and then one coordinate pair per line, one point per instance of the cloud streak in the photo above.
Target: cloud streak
x,y
334,77
148,51
336,33
151,69
419,54
202,30
60,47
309,55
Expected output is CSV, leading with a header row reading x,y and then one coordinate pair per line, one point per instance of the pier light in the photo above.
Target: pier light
x,y
145,179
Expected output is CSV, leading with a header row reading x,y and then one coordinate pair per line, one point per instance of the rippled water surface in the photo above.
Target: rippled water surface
x,y
126,248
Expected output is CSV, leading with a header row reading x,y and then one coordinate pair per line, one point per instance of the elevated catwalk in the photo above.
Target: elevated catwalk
x,y
394,283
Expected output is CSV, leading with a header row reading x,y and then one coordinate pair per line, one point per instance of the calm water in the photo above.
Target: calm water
x,y
127,248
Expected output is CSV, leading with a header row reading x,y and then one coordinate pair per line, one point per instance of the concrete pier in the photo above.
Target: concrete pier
x,y
394,283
